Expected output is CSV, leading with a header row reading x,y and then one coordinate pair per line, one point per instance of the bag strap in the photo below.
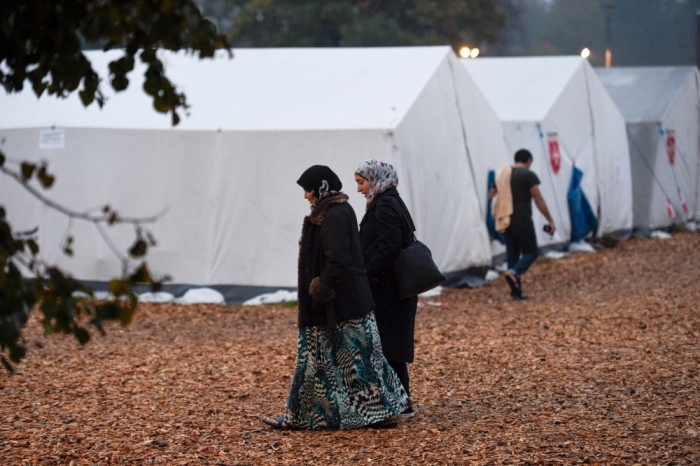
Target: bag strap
x,y
404,220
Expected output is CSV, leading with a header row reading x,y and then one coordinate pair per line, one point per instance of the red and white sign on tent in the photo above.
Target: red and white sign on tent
x,y
554,153
671,145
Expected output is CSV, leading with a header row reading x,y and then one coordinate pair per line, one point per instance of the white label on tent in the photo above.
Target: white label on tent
x,y
619,176
52,139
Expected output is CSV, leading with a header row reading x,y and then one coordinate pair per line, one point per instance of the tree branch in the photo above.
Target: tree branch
x,y
79,215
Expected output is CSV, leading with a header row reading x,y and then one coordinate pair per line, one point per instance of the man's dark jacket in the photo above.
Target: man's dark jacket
x,y
333,286
382,237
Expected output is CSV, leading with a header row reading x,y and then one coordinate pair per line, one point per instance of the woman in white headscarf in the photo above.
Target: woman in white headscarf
x,y
385,229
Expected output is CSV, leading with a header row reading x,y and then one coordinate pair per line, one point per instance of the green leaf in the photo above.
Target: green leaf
x,y
7,365
82,335
141,275
44,177
126,315
98,324
33,247
118,287
119,83
139,248
17,353
86,97
27,170
107,311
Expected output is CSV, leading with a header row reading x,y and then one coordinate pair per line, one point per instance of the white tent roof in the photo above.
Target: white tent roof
x,y
259,89
643,94
522,88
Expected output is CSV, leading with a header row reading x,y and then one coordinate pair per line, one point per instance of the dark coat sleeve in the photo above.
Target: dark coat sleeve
x,y
389,233
335,242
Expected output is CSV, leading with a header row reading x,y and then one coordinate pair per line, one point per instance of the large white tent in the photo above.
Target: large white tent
x,y
227,173
661,106
557,108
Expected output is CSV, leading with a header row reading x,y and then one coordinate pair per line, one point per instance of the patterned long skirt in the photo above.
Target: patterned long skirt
x,y
341,379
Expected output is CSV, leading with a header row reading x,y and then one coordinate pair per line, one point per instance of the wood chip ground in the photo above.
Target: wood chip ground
x,y
599,366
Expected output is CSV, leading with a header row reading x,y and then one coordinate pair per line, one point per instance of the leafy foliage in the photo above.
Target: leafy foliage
x,y
66,304
41,42
317,23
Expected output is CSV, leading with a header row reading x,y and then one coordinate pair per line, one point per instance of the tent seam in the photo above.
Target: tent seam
x,y
463,129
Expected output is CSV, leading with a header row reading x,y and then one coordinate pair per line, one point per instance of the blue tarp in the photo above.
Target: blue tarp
x,y
583,220
490,221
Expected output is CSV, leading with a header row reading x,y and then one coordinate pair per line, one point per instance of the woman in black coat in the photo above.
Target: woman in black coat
x,y
385,229
341,379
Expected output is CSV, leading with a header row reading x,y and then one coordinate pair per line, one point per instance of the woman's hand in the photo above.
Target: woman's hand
x,y
320,293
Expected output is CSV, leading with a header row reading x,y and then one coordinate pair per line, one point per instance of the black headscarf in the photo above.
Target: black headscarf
x,y
320,181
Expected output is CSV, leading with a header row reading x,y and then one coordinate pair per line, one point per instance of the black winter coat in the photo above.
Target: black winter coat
x,y
333,286
382,237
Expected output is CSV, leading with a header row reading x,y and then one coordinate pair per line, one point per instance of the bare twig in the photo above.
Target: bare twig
x,y
79,215
124,260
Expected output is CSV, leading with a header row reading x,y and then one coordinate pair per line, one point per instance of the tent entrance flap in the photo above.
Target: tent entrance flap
x,y
490,221
583,220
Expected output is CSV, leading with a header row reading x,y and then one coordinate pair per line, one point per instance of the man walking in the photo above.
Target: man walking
x,y
517,186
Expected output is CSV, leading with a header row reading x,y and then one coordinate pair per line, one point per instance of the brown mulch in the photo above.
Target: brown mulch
x,y
600,366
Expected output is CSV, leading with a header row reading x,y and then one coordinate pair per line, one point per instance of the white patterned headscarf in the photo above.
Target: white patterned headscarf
x,y
380,175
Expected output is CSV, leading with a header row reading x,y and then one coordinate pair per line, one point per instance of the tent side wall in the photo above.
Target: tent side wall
x,y
651,176
234,209
569,124
123,169
259,206
661,106
682,120
614,175
436,179
484,134
661,188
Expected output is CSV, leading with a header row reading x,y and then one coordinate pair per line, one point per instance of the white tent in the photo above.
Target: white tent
x,y
228,172
557,108
661,106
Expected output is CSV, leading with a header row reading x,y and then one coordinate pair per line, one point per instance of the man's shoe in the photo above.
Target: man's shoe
x,y
518,297
406,413
512,280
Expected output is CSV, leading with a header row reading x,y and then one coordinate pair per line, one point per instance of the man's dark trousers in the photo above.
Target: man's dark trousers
x,y
521,247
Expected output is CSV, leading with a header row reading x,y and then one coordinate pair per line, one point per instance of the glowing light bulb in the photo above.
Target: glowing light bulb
x,y
464,52
585,53
474,53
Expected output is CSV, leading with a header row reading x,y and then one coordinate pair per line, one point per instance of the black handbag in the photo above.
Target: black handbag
x,y
414,270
